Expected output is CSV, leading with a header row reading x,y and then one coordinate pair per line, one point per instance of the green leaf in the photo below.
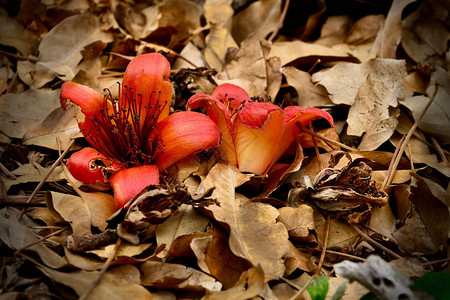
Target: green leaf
x,y
436,284
318,288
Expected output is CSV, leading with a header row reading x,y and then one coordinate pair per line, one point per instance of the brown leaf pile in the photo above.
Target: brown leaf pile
x,y
216,233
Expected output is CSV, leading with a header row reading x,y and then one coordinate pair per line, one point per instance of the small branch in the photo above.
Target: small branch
x,y
105,267
327,140
346,255
280,22
396,158
391,164
439,149
78,243
324,248
316,148
374,243
41,239
439,261
53,167
19,57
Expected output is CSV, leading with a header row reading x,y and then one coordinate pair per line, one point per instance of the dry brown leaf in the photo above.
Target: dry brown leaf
x,y
126,250
263,241
60,50
260,18
101,207
343,80
309,94
140,24
20,112
215,258
365,29
13,34
341,236
297,259
174,276
18,234
417,151
83,262
383,220
59,125
390,35
298,221
250,284
33,172
72,209
119,283
334,30
185,221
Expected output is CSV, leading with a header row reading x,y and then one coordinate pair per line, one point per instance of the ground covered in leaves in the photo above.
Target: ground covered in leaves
x,y
373,190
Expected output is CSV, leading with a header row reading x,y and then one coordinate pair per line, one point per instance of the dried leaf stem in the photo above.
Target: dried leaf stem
x,y
401,146
41,239
374,243
280,21
346,255
105,267
316,148
324,247
7,172
327,140
36,190
438,149
18,57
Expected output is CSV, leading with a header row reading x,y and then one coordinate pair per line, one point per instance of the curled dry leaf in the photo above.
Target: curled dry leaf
x,y
298,221
119,283
249,285
174,276
184,222
18,234
263,241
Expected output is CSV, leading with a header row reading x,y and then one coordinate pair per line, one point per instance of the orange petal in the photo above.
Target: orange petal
x,y
89,166
147,76
304,116
257,132
127,183
185,133
231,95
226,152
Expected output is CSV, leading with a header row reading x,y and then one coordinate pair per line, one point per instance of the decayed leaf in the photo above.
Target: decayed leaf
x,y
17,235
259,18
186,221
174,276
72,209
215,258
309,94
254,233
343,80
19,112
250,284
60,50
390,35
119,283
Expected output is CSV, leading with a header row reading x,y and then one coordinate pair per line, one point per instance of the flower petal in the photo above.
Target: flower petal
x,y
127,183
89,166
230,94
257,133
304,116
148,77
185,133
226,151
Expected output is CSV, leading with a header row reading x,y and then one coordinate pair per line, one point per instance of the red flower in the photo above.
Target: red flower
x,y
133,138
254,134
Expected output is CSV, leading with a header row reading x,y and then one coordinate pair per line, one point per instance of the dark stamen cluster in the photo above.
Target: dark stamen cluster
x,y
126,128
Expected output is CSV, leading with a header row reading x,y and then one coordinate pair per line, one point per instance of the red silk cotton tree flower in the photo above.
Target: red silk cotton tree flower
x,y
133,137
254,134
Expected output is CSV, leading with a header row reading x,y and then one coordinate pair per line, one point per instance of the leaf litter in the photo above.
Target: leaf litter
x,y
211,231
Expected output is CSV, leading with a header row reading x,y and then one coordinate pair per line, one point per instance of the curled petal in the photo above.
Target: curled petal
x,y
127,183
255,114
230,94
257,133
304,116
147,76
220,115
185,133
89,166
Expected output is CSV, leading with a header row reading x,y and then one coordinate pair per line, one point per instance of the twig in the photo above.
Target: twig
x,y
327,140
7,172
375,243
280,21
41,239
53,167
316,148
439,149
17,56
439,261
324,247
391,164
300,291
108,262
411,161
346,255
78,243
397,158
318,61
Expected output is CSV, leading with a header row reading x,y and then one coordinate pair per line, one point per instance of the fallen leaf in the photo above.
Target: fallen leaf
x,y
119,283
20,112
174,276
297,259
101,207
33,173
365,29
17,235
334,30
185,221
298,221
260,18
13,34
125,250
